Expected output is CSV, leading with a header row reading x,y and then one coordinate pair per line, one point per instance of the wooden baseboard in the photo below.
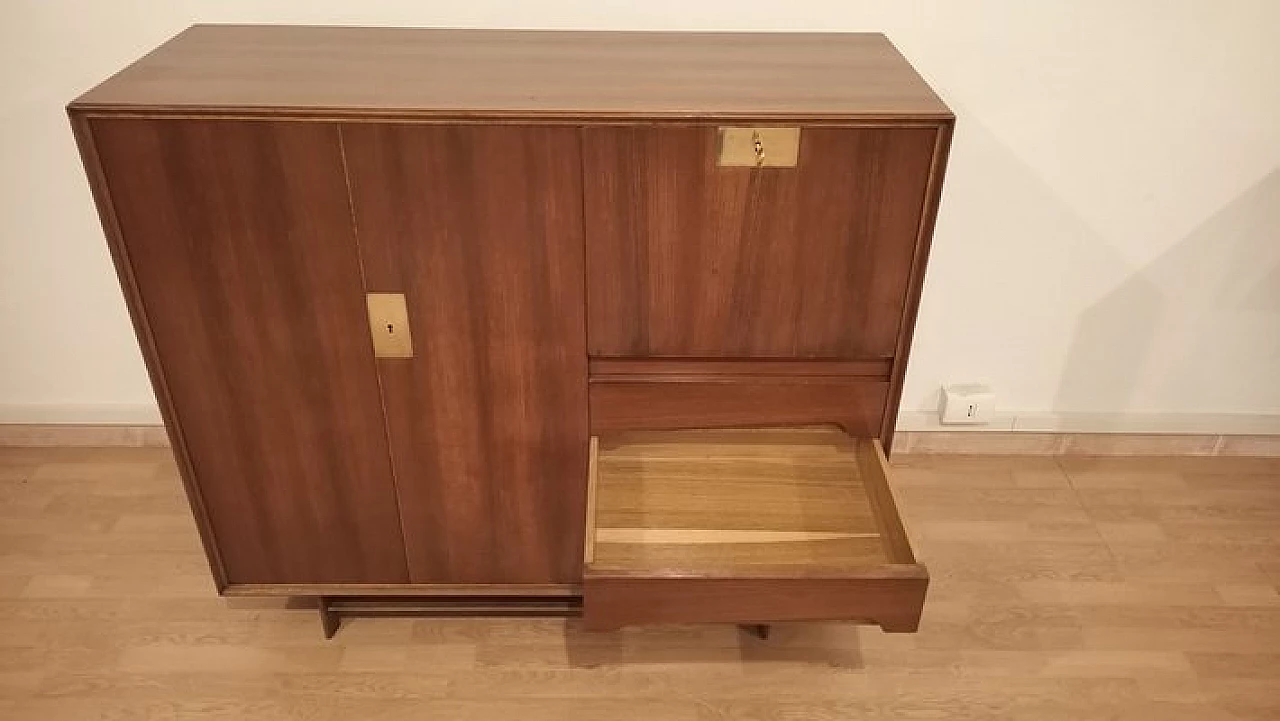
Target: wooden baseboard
x,y
1211,424
905,442
1083,444
82,435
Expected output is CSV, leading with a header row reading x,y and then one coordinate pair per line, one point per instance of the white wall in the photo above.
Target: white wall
x,y
1109,240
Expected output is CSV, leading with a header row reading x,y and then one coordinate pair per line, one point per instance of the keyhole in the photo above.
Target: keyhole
x,y
759,148
391,329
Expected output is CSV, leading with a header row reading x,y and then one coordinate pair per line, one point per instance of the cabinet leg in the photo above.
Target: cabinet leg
x,y
329,620
759,630
900,623
905,626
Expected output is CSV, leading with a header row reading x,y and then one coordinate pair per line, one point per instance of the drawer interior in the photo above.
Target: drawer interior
x,y
672,513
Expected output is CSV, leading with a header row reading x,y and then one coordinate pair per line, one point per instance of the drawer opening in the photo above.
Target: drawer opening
x,y
745,525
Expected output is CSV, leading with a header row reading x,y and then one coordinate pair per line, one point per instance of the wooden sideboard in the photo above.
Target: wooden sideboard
x,y
528,319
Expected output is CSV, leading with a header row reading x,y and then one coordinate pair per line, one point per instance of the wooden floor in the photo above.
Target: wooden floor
x,y
1141,589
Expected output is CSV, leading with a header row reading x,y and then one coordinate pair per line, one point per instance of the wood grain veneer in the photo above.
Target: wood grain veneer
x,y
624,368
172,430
719,401
239,242
690,260
412,590
520,73
481,228
893,604
680,501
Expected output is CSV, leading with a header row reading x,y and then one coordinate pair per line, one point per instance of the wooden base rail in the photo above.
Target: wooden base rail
x,y
334,608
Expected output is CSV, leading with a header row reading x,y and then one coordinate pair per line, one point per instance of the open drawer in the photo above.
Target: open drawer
x,y
745,526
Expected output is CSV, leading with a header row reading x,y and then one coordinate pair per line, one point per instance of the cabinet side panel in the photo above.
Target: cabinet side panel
x,y
919,261
481,228
238,236
83,130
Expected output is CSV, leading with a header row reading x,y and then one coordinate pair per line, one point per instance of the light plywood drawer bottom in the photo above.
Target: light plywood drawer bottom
x,y
745,526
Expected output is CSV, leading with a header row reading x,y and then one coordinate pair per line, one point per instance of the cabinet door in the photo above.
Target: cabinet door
x,y
480,227
238,237
687,259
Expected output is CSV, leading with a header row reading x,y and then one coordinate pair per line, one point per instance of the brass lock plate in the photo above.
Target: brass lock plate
x,y
759,147
389,325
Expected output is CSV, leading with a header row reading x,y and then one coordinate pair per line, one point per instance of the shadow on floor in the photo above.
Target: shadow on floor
x,y
822,644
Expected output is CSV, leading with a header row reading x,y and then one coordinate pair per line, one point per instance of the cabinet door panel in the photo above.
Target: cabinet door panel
x,y
687,259
238,236
481,228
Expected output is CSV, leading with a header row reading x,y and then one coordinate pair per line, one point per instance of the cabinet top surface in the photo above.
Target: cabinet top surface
x,y
520,73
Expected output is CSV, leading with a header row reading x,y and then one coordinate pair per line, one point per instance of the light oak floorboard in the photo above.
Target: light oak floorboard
x,y
1067,588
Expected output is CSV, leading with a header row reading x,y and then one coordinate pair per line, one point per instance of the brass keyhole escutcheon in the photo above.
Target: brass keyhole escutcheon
x,y
389,325
758,147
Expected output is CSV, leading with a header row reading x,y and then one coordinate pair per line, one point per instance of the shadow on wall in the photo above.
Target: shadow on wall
x,y
1012,322
1198,326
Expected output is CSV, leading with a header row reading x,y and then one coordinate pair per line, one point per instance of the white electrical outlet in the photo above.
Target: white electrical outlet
x,y
967,403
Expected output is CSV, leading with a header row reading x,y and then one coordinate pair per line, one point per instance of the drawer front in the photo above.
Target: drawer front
x,y
688,258
619,403
615,601
745,526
